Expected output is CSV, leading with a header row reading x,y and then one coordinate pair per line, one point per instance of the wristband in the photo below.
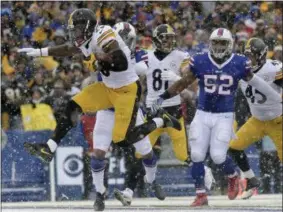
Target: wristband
x,y
44,51
165,95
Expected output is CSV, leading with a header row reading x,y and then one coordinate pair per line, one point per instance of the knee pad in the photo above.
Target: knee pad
x,y
218,158
97,165
197,156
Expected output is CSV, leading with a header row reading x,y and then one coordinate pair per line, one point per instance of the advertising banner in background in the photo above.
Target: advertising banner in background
x,y
69,166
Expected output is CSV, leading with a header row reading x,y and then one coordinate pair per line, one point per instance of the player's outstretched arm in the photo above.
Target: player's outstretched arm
x,y
187,79
258,83
56,51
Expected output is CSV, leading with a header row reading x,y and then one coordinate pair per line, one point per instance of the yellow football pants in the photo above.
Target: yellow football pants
x,y
254,129
124,100
179,140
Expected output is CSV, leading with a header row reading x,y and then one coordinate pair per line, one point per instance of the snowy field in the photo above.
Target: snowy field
x,y
260,203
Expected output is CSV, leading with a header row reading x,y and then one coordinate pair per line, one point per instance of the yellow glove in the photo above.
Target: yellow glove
x,y
89,63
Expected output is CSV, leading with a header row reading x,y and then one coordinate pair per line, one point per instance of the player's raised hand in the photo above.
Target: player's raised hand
x,y
156,105
34,52
169,76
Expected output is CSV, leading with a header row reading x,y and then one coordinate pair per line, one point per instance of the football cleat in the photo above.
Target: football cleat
x,y
233,187
41,151
125,197
99,204
200,200
157,190
169,121
252,185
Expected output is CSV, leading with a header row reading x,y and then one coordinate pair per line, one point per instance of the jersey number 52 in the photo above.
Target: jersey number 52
x,y
222,88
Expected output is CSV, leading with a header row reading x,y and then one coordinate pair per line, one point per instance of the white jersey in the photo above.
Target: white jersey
x,y
102,35
261,106
175,61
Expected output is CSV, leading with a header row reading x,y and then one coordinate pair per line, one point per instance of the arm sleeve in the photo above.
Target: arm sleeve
x,y
263,87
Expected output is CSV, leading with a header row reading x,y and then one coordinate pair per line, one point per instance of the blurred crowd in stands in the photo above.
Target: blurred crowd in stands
x,y
26,82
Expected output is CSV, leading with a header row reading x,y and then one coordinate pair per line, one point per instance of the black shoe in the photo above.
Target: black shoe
x,y
169,121
158,190
40,151
120,196
252,184
99,204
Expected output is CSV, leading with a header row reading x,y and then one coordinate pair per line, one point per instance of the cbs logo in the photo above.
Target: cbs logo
x,y
73,165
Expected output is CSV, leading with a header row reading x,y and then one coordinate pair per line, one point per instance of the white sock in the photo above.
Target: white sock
x,y
150,173
98,178
249,174
159,122
52,145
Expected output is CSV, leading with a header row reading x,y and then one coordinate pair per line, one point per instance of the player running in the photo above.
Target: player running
x,y
120,89
266,117
219,72
102,134
164,66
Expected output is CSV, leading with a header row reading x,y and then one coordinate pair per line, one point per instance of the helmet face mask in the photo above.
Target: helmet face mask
x,y
221,43
219,48
256,51
77,35
81,25
164,38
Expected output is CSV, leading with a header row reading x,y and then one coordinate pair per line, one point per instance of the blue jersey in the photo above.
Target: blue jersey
x,y
218,83
140,55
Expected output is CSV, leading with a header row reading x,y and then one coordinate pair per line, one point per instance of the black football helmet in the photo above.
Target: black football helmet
x,y
256,51
81,25
164,38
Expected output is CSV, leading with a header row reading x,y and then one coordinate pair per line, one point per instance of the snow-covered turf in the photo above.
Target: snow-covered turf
x,y
260,203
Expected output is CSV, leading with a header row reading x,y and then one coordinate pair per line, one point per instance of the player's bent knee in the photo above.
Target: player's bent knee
x,y
99,154
143,147
218,158
236,144
197,156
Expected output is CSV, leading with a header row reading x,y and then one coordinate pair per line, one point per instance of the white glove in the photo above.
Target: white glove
x,y
169,76
34,52
156,105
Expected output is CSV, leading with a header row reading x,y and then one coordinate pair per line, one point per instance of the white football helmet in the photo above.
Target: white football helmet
x,y
221,43
127,33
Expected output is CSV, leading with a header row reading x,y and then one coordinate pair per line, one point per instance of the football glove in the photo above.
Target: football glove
x,y
90,63
156,105
169,76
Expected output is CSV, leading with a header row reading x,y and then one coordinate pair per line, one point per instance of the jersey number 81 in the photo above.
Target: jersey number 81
x,y
157,83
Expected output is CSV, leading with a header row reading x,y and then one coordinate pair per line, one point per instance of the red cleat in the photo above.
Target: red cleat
x,y
200,200
233,187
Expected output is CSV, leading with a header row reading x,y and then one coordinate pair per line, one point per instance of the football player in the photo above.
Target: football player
x,y
120,89
164,66
218,72
102,134
266,113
